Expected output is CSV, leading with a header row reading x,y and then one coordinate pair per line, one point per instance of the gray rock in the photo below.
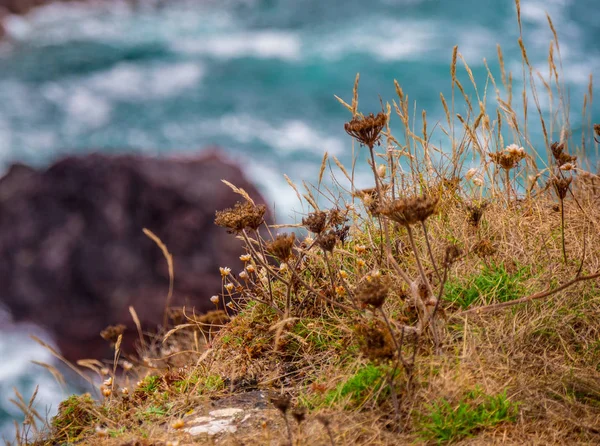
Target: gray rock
x,y
74,257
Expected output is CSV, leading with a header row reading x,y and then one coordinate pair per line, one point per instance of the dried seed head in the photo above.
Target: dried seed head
x,y
408,211
366,129
484,248
324,420
561,185
509,157
299,414
241,216
597,132
327,241
373,292
336,217
282,246
453,252
475,212
112,333
281,402
315,222
375,340
560,156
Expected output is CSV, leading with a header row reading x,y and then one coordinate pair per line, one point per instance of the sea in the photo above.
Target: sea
x,y
256,78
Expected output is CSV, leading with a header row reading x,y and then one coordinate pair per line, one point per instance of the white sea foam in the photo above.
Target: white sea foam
x,y
260,44
129,81
288,136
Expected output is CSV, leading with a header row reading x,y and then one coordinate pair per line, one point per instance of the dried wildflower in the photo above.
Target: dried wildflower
x,y
229,305
178,424
245,257
360,249
475,212
229,287
360,263
375,341
241,216
243,275
366,129
560,156
112,333
323,420
484,248
567,166
327,241
561,186
104,371
381,170
343,274
250,269
299,414
315,222
106,392
453,252
471,173
282,246
224,271
597,132
283,267
408,211
336,217
373,292
478,181
281,402
126,365
108,382
509,157
340,290
101,431
214,299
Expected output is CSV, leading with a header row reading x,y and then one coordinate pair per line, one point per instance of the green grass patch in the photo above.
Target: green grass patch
x,y
366,383
445,422
493,284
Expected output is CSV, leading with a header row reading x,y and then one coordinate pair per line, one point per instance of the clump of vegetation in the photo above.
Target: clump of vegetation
x,y
445,422
385,307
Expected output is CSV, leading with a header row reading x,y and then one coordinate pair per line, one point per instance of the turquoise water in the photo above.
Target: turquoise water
x,y
254,77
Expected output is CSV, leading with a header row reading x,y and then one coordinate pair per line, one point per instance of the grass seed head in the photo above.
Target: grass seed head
x,y
366,129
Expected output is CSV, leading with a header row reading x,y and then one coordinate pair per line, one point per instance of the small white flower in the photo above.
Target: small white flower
x,y
245,258
224,271
243,275
229,287
108,382
283,267
478,181
230,304
127,365
471,173
214,299
125,391
514,149
250,268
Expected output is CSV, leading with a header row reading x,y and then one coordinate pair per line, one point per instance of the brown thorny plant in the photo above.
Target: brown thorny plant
x,y
326,274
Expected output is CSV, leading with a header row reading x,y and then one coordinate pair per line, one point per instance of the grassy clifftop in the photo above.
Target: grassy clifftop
x,y
455,301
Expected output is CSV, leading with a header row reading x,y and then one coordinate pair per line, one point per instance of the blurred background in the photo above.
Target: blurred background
x,y
255,78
